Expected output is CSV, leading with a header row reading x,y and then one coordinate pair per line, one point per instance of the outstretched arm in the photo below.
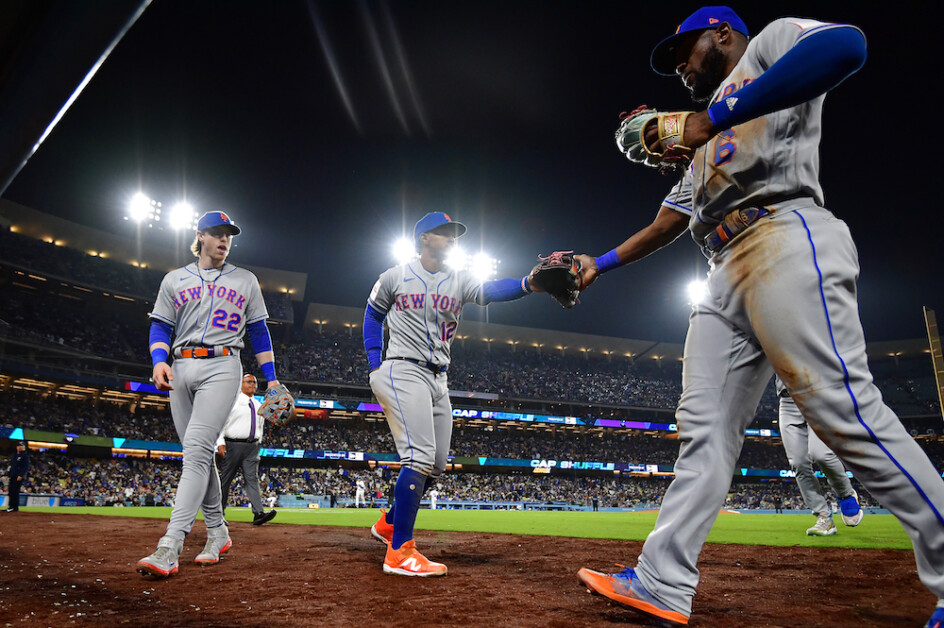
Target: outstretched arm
x,y
506,290
668,225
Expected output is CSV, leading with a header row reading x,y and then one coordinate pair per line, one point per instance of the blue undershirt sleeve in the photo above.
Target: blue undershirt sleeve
x,y
261,341
504,290
815,65
159,332
373,336
258,333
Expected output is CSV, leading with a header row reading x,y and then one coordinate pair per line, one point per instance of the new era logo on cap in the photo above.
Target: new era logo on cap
x,y
434,220
663,55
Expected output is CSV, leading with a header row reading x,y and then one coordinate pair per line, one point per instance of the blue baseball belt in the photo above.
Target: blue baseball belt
x,y
734,223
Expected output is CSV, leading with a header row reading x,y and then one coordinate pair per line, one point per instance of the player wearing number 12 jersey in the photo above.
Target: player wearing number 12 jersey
x,y
421,302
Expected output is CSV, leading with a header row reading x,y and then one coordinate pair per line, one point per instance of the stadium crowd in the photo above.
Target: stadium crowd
x,y
337,357
43,316
71,264
142,482
60,414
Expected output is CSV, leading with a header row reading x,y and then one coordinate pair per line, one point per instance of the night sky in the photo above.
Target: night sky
x,y
326,129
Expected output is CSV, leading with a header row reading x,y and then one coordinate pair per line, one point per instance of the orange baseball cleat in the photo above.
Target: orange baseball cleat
x,y
407,561
624,588
382,530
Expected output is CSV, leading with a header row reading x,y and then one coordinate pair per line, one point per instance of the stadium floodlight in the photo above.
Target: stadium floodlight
x,y
404,250
483,267
140,207
181,216
457,258
697,291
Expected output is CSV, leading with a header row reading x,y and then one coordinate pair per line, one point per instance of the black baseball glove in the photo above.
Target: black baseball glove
x,y
558,274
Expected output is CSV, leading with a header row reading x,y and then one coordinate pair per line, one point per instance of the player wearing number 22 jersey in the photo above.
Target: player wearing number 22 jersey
x,y
207,307
421,302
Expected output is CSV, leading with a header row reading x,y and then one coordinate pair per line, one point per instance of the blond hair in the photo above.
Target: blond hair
x,y
196,245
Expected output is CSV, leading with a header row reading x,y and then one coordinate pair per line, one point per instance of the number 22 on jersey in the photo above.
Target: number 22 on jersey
x,y
219,318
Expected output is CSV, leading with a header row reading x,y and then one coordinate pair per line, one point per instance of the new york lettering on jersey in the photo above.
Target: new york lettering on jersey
x,y
441,302
424,322
210,309
220,292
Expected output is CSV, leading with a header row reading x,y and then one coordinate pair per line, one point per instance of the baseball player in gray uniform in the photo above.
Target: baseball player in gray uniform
x,y
804,448
206,307
421,302
782,296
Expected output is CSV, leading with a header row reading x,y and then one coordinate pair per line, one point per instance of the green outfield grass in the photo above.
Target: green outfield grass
x,y
875,532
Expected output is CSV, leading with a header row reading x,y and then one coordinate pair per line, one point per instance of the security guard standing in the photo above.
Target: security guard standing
x,y
238,446
19,467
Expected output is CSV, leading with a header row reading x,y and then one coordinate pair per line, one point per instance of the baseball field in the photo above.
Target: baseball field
x,y
506,568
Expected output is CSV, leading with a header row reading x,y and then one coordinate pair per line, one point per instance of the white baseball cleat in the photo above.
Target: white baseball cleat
x,y
850,510
824,526
218,543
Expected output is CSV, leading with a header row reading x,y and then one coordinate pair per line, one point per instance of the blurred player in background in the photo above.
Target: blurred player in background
x,y
804,448
421,302
360,490
206,307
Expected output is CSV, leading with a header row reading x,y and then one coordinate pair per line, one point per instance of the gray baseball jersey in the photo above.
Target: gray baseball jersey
x,y
782,298
209,307
423,309
765,161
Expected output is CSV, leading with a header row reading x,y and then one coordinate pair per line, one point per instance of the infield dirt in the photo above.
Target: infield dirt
x,y
62,570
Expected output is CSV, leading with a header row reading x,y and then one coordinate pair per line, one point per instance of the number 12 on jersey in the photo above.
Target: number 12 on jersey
x,y
447,330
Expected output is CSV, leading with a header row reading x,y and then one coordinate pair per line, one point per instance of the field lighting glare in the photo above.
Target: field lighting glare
x,y
483,267
697,291
457,258
140,207
403,250
181,216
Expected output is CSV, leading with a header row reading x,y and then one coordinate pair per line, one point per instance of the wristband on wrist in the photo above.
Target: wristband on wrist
x,y
526,285
268,371
158,355
607,261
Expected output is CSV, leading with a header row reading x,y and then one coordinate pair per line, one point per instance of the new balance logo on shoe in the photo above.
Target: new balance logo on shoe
x,y
412,564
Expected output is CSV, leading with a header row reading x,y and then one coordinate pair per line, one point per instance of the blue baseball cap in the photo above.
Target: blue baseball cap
x,y
216,219
434,220
663,55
